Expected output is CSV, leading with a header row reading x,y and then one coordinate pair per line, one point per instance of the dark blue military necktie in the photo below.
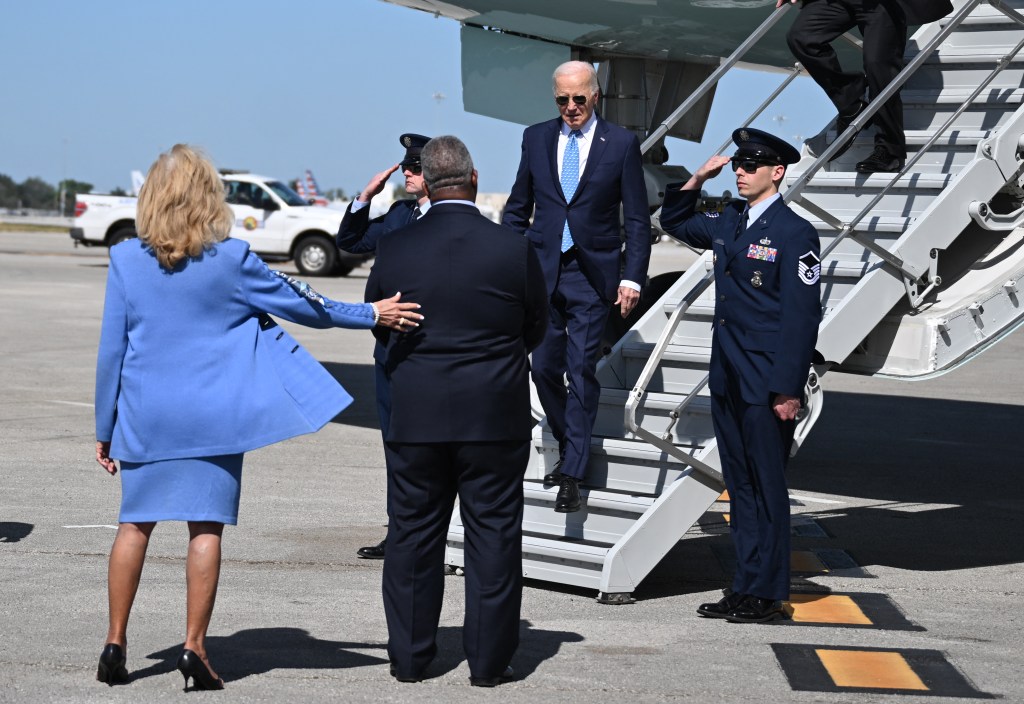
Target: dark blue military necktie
x,y
416,213
741,227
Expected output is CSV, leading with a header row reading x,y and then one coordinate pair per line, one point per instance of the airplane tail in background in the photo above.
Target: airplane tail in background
x,y
137,181
310,191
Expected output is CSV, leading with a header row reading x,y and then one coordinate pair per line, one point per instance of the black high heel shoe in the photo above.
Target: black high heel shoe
x,y
111,668
191,665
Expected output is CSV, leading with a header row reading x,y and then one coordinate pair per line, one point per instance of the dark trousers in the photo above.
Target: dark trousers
x,y
754,445
423,481
883,25
571,347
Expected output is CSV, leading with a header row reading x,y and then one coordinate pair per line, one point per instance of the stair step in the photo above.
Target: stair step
x,y
617,465
604,517
913,181
693,429
991,96
573,562
989,53
682,354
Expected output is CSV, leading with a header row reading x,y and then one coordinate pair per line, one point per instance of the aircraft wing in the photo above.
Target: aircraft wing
x,y
673,30
652,54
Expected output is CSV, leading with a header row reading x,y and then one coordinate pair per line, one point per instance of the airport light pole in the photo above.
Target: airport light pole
x,y
63,177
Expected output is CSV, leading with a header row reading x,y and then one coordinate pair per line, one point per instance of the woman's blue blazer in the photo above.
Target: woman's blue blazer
x,y
189,366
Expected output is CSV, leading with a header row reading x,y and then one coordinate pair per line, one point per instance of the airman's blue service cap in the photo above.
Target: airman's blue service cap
x,y
413,144
764,147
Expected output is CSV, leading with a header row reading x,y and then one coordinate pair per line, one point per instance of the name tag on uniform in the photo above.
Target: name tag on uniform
x,y
764,254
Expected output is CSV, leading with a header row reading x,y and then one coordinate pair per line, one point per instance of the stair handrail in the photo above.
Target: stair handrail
x,y
711,81
653,361
910,272
794,192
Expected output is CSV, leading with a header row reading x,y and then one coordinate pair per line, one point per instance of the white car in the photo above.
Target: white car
x,y
276,222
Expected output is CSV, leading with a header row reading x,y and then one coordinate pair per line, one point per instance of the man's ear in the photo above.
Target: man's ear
x,y
473,179
426,190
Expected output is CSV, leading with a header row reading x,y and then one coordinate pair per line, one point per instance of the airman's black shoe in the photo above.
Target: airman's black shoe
x,y
754,609
721,608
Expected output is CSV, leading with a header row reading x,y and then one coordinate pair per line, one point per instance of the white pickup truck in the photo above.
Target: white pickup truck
x,y
276,222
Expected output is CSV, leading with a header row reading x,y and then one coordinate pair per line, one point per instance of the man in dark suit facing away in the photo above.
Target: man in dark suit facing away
x,y
575,172
460,418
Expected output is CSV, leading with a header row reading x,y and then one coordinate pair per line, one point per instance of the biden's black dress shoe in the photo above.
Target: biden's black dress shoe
x,y
373,552
721,608
754,609
403,678
555,475
505,676
880,161
568,498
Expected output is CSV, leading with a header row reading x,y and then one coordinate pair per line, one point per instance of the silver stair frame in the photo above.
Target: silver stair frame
x,y
907,269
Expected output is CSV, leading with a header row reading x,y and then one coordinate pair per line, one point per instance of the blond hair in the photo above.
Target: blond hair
x,y
182,210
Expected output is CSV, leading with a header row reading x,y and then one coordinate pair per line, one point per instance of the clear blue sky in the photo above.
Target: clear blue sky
x,y
95,89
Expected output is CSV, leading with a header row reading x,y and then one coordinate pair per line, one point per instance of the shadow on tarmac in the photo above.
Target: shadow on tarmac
x,y
11,532
257,651
947,474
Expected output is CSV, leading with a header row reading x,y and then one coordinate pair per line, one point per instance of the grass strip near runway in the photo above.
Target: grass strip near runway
x,y
19,227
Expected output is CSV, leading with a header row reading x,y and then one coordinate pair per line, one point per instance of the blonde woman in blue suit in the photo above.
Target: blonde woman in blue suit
x,y
191,374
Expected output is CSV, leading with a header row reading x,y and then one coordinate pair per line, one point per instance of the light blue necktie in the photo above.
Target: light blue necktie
x,y
570,179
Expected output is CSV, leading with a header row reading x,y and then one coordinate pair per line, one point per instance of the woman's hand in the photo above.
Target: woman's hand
x,y
103,457
397,316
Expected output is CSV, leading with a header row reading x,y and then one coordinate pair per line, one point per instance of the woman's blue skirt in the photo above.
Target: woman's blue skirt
x,y
190,489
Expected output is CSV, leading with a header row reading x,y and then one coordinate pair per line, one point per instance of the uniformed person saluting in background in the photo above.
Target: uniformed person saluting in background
x,y
359,234
767,311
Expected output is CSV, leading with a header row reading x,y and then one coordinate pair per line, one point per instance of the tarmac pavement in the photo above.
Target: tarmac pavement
x,y
908,495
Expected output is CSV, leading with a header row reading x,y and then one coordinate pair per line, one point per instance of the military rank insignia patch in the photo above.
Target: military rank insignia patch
x,y
809,268
761,253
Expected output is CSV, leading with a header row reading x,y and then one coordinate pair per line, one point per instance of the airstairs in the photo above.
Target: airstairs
x,y
921,270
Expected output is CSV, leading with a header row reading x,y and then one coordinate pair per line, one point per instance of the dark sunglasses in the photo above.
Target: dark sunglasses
x,y
563,100
750,165
414,169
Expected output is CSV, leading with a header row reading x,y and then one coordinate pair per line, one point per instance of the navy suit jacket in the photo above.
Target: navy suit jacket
x,y
612,178
186,368
463,375
359,234
767,311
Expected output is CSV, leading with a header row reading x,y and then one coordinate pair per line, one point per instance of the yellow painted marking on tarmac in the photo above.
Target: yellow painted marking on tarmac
x,y
724,496
826,608
859,668
805,561
726,517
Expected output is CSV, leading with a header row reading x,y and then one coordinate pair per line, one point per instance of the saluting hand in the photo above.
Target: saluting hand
x,y
711,168
780,3
397,316
785,407
376,185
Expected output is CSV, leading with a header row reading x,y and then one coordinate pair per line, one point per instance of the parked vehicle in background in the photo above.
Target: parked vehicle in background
x,y
277,223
